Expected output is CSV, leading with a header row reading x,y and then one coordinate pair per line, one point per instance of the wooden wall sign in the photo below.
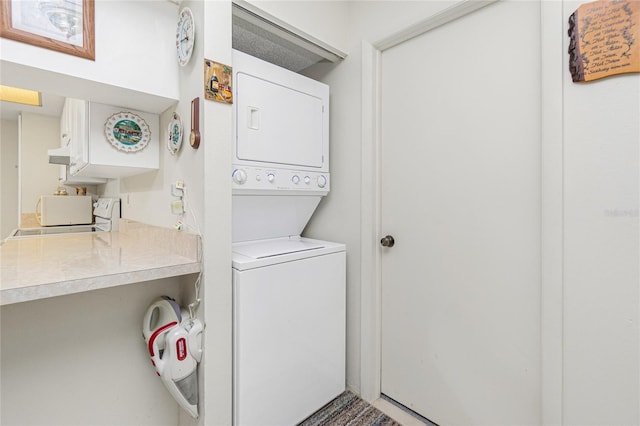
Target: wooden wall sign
x,y
604,39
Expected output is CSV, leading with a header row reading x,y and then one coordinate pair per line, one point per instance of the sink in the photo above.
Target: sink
x,y
51,230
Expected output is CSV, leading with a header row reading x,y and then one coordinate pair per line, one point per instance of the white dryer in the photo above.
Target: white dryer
x,y
289,293
280,149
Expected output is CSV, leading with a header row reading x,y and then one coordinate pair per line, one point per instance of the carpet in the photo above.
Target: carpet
x,y
349,410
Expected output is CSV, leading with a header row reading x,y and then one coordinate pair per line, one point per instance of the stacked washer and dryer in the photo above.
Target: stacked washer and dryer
x,y
289,293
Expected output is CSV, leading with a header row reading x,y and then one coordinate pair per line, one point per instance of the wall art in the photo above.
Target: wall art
x,y
174,131
127,132
604,39
64,26
217,82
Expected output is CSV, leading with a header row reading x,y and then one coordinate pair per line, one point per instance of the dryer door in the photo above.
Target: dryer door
x,y
277,124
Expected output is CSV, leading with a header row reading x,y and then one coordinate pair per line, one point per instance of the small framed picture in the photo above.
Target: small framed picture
x,y
217,82
64,26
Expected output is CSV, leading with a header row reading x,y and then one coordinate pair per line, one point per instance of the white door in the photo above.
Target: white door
x,y
460,194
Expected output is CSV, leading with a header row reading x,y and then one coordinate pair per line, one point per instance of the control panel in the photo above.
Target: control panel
x,y
274,179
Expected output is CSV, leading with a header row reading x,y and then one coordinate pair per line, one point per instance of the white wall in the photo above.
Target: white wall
x,y
39,133
133,55
601,248
147,197
8,177
81,360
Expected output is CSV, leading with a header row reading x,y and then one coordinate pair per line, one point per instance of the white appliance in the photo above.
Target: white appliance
x,y
54,210
107,218
289,329
107,214
289,296
280,149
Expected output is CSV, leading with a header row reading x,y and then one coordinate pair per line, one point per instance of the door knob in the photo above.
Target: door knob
x,y
387,241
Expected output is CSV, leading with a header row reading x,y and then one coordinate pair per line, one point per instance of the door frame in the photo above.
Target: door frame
x,y
552,189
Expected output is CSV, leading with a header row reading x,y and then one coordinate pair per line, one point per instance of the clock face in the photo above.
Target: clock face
x,y
194,139
185,36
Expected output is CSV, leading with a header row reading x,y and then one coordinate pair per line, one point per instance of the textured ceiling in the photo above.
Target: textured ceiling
x,y
255,41
276,42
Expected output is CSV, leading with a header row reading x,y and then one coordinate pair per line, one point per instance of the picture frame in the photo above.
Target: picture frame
x,y
67,27
218,84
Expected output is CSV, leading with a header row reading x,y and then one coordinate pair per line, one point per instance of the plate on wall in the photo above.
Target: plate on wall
x,y
127,132
175,133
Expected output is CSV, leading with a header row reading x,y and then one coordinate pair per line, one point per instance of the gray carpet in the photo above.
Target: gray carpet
x,y
349,410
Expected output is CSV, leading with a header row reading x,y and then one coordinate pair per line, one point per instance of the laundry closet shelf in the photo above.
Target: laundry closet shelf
x,y
56,265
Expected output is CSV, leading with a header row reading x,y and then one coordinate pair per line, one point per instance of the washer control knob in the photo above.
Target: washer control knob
x,y
239,176
271,177
322,181
307,179
295,179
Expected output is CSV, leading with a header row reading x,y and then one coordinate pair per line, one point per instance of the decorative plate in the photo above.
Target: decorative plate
x,y
174,131
127,132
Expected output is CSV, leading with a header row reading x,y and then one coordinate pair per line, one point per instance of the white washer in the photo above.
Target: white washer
x,y
289,316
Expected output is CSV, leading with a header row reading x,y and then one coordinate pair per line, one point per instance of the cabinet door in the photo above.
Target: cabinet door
x,y
65,123
73,133
78,134
65,138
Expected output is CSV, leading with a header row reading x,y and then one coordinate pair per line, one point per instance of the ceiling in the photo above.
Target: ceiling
x,y
51,105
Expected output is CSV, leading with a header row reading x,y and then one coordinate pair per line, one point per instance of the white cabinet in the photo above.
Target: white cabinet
x,y
72,115
102,140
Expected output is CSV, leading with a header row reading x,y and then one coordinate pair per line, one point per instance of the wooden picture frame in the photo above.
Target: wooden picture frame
x,y
35,23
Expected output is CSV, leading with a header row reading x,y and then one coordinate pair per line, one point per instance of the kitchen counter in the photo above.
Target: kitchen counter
x,y
54,265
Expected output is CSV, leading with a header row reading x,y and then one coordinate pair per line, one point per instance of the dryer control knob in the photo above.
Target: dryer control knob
x,y
271,177
322,181
295,179
307,179
239,176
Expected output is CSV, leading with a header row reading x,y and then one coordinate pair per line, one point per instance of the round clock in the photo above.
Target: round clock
x,y
174,141
185,36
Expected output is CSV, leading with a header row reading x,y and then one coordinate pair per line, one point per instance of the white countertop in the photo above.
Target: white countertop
x,y
53,265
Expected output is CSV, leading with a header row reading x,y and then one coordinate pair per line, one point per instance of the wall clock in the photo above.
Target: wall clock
x,y
185,36
194,138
